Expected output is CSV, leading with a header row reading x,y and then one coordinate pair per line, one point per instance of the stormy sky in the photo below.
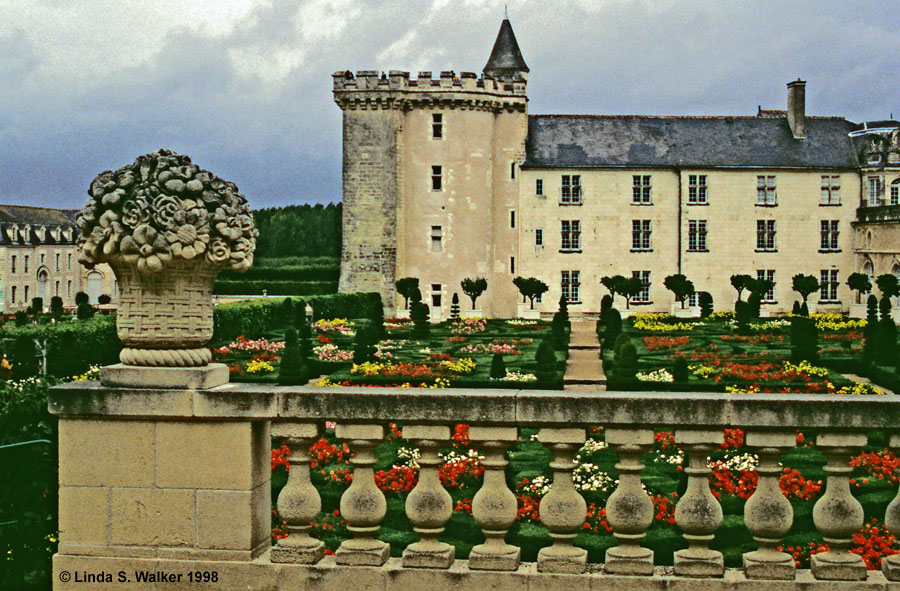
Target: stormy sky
x,y
244,86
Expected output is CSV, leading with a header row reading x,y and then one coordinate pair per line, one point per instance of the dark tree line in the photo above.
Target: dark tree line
x,y
299,230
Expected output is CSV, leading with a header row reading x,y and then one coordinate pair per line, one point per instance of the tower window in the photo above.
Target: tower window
x,y
571,189
512,170
765,190
436,239
539,187
512,218
437,126
435,295
539,237
436,179
512,264
697,189
640,190
831,190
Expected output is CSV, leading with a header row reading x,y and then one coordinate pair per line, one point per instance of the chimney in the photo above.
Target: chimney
x,y
796,108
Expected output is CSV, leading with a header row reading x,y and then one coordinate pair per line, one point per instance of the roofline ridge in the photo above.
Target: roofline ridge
x,y
710,117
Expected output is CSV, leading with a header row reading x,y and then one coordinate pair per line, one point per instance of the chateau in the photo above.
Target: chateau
x,y
449,177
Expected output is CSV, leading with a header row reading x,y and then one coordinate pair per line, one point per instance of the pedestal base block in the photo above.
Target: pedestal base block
x,y
188,378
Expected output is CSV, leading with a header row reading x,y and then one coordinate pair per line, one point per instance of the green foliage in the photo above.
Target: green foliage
x,y
680,286
298,230
407,286
606,303
37,306
888,284
24,357
564,308
754,301
680,370
870,331
22,318
629,288
473,288
795,309
364,343
620,342
274,288
287,311
329,272
804,340
612,283
884,307
558,328
498,367
886,341
546,362
454,306
85,311
859,282
804,285
613,328
705,299
56,307
626,364
81,298
419,315
743,315
294,369
804,309
530,287
104,299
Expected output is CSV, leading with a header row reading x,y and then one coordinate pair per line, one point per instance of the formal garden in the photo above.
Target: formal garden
x,y
344,340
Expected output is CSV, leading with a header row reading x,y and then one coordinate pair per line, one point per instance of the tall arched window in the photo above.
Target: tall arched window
x,y
94,286
895,192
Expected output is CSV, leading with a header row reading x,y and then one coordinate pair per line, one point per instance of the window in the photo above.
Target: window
x,y
436,184
697,189
769,296
640,192
26,266
435,295
765,234
512,219
831,190
692,301
640,235
437,126
56,289
829,234
13,263
69,263
643,296
26,294
57,261
14,294
512,170
512,264
895,192
69,288
828,285
765,190
435,239
571,189
539,237
570,283
42,258
571,235
875,188
539,187
697,235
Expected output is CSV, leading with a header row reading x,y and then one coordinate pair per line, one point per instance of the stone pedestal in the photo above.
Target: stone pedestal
x,y
188,378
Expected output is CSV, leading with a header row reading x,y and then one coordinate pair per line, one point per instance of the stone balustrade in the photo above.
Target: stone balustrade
x,y
149,503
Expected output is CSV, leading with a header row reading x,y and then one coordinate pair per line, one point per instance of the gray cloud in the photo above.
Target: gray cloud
x,y
246,89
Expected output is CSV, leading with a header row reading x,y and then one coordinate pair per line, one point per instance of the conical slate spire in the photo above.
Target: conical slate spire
x,y
506,60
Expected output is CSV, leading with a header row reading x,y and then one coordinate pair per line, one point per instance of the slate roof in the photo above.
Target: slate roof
x,y
24,214
506,58
586,141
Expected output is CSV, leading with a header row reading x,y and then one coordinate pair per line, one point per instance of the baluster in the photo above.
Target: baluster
x,y
890,565
837,514
298,502
428,506
562,509
363,504
494,506
768,514
698,513
629,509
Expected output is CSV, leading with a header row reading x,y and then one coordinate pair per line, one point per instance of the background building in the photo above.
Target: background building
x,y
38,258
450,178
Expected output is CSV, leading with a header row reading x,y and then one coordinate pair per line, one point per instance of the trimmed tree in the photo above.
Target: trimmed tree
x,y
629,288
804,340
85,311
705,299
454,306
473,288
530,288
81,298
419,313
364,345
612,284
37,305
546,362
293,370
56,307
104,299
498,367
680,286
740,283
805,285
888,284
680,370
627,363
870,331
613,328
859,282
406,287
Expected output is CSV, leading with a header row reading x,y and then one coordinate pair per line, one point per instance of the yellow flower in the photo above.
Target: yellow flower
x,y
259,367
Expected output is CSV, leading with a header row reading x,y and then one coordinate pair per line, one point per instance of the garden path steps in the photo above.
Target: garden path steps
x,y
861,380
584,370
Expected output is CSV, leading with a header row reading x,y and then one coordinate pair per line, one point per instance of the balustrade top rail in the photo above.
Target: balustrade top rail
x,y
485,407
878,213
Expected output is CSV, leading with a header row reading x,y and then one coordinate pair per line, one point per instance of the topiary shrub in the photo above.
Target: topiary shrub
x,y
613,328
22,318
680,370
546,362
419,315
85,311
627,364
364,346
294,369
621,341
37,306
558,331
104,299
498,367
804,340
287,312
743,315
56,307
454,307
804,309
564,309
886,339
705,300
25,358
754,301
81,298
605,306
870,331
795,310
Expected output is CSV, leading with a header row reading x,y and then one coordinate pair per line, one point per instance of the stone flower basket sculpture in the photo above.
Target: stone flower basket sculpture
x,y
166,228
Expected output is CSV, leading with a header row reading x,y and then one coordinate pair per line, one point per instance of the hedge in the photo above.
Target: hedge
x,y
286,273
252,318
242,287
